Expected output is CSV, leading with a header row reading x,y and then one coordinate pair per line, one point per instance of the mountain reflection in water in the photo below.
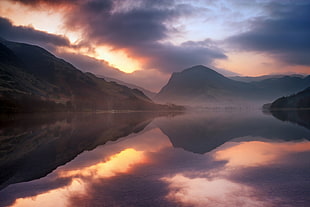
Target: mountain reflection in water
x,y
234,158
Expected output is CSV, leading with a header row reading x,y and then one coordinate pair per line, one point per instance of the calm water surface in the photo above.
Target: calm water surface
x,y
209,158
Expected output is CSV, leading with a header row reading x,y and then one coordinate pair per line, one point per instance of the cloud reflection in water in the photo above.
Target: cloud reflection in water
x,y
217,192
255,153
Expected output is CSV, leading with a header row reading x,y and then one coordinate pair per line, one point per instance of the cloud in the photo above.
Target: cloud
x,y
171,58
143,30
49,2
284,34
30,35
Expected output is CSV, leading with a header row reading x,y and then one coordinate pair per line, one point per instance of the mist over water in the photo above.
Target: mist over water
x,y
203,158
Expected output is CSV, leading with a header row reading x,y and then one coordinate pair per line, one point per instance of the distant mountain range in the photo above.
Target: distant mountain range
x,y
32,79
146,92
260,78
203,86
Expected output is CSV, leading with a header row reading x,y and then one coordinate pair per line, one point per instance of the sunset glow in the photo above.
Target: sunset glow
x,y
260,64
43,20
117,59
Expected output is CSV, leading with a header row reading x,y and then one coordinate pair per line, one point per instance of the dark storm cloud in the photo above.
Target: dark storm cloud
x,y
30,35
171,58
284,34
36,2
140,28
102,21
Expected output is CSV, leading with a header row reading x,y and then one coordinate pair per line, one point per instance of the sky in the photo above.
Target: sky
x,y
144,41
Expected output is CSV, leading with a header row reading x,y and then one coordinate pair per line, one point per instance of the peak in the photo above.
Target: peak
x,y
198,68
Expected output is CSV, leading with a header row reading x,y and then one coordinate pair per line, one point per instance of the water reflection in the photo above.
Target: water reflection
x,y
199,191
43,142
243,159
203,132
300,117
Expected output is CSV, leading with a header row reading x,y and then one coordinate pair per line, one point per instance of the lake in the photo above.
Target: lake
x,y
213,158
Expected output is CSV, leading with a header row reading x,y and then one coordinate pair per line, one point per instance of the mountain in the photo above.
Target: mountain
x,y
146,92
249,79
32,79
295,101
282,86
15,80
200,85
